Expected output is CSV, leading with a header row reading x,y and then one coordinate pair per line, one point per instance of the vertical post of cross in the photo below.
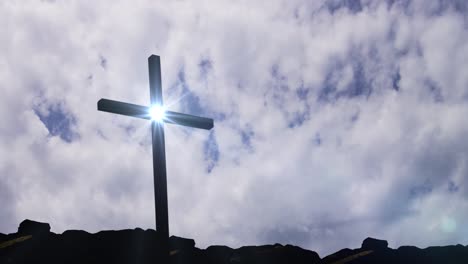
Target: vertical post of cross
x,y
159,158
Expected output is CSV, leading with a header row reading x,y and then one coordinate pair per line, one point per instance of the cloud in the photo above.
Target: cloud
x,y
334,120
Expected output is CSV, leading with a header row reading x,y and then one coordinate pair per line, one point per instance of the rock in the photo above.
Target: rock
x,y
181,243
218,254
295,254
341,254
273,254
374,244
29,227
76,234
411,253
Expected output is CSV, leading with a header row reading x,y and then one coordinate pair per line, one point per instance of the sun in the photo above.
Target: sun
x,y
157,113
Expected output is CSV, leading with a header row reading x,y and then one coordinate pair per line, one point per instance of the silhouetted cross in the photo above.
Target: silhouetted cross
x,y
156,113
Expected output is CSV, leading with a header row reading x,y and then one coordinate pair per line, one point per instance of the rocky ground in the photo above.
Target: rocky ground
x,y
34,243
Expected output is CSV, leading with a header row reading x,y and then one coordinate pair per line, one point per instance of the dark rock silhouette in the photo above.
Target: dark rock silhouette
x,y
34,243
29,227
377,251
374,244
261,254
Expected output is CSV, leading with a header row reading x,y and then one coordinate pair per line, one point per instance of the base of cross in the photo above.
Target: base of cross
x,y
163,249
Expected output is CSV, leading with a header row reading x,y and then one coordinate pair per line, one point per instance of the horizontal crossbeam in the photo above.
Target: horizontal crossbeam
x,y
122,108
140,111
188,120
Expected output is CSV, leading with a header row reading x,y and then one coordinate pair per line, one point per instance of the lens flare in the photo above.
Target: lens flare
x,y
448,224
157,113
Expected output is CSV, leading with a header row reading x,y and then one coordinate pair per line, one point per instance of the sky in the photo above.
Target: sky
x,y
333,120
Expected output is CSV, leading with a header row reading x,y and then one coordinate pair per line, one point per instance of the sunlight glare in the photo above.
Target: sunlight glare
x,y
157,113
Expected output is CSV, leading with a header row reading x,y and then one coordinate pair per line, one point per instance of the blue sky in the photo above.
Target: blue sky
x,y
334,120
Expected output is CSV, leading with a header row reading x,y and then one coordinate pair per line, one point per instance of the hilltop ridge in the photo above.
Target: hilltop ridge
x,y
34,243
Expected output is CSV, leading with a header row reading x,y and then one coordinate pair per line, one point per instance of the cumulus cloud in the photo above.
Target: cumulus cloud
x,y
334,120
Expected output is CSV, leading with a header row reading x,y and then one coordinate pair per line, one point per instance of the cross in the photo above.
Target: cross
x,y
158,116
